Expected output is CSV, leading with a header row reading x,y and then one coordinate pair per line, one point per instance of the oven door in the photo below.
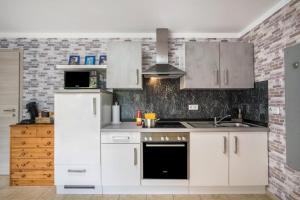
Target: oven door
x,y
165,160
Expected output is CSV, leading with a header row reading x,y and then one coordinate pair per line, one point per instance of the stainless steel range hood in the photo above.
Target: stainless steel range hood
x,y
162,69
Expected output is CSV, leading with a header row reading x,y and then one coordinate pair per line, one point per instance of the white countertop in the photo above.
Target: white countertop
x,y
132,127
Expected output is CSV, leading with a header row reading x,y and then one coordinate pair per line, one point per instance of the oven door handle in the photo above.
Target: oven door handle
x,y
165,145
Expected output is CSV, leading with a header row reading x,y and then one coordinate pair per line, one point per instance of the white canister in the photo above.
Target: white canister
x,y
116,113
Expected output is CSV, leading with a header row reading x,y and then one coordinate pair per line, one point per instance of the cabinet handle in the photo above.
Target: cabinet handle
x,y
226,77
135,156
76,170
94,106
137,76
9,110
224,144
217,76
235,144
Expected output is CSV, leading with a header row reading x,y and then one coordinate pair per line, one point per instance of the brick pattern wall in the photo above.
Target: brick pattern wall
x,y
270,38
41,55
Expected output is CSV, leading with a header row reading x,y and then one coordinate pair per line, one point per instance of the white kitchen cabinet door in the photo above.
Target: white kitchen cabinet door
x,y
209,159
120,164
248,164
77,129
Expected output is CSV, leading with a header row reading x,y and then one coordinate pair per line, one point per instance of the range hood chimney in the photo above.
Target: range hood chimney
x,y
162,69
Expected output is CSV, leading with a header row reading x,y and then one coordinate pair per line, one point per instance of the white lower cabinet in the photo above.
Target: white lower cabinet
x,y
229,159
83,175
248,162
208,159
120,164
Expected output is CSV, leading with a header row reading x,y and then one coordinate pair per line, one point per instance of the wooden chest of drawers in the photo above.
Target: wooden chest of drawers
x,y
32,155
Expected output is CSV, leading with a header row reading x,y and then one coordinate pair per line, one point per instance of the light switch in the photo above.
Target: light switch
x,y
274,110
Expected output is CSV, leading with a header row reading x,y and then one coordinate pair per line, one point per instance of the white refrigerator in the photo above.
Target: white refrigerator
x,y
79,117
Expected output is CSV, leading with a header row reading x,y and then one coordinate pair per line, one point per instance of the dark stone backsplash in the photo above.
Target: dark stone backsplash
x,y
169,102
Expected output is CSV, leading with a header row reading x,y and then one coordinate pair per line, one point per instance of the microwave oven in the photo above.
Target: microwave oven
x,y
79,80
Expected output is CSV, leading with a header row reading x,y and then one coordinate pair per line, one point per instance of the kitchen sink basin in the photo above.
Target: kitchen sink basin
x,y
210,124
233,124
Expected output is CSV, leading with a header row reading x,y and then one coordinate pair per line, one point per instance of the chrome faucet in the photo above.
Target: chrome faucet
x,y
221,119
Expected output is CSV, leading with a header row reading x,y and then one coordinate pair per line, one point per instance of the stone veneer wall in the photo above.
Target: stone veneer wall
x,y
41,55
270,38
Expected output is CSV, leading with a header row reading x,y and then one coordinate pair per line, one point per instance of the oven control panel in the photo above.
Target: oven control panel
x,y
165,137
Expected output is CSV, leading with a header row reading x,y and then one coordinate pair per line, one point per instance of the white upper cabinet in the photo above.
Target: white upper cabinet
x,y
214,65
236,65
201,65
248,159
124,69
208,159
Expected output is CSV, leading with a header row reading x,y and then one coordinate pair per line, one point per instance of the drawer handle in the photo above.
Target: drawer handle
x,y
49,154
77,170
48,143
48,132
23,143
23,175
48,175
23,154
23,132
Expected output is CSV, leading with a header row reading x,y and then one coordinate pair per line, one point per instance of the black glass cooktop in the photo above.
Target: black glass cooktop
x,y
168,124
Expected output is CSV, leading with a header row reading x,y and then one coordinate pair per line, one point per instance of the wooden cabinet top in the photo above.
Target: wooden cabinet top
x,y
30,125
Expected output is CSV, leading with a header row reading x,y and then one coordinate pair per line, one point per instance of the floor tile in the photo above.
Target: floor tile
x,y
160,197
186,197
133,197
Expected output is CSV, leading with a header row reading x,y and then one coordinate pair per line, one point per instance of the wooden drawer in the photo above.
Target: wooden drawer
x,y
47,131
32,142
32,164
24,131
36,174
32,153
32,182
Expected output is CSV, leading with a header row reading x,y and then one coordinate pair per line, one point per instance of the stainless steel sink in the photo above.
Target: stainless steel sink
x,y
233,124
210,124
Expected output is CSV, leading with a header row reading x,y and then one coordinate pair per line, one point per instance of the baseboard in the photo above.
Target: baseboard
x,y
228,190
60,189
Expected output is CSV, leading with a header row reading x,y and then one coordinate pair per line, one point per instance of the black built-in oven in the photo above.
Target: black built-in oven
x,y
165,156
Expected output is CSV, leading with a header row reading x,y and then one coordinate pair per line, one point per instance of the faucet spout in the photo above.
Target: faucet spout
x,y
216,122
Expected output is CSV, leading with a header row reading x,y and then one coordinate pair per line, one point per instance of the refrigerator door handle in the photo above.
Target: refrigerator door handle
x,y
94,106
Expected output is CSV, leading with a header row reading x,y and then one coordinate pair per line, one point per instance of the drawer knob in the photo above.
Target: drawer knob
x,y
23,175
23,154
49,153
23,132
48,132
23,143
48,143
23,165
48,175
49,164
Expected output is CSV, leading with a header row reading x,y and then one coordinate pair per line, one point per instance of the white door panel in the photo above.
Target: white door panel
x,y
248,159
209,159
120,164
77,129
9,101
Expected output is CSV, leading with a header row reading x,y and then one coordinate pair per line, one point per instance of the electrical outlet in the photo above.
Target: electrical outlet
x,y
274,110
193,107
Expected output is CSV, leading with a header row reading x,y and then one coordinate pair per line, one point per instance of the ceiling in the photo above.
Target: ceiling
x,y
216,17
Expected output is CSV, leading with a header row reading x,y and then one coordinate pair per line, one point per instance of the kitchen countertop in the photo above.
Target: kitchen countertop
x,y
131,127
